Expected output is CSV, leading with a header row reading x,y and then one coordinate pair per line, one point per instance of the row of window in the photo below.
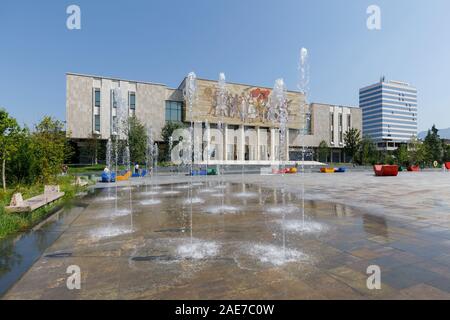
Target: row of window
x,y
131,99
340,123
174,109
97,104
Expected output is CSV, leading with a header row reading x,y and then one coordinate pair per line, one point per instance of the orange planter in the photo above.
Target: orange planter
x,y
414,168
447,165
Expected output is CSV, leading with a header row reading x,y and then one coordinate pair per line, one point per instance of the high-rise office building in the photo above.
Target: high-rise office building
x,y
389,111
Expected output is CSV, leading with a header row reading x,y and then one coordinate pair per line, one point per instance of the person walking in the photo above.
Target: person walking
x,y
136,168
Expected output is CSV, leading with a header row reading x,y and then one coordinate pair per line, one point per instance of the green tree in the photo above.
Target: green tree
x,y
50,147
137,139
402,155
388,158
419,152
434,145
367,152
9,130
352,140
446,148
20,168
323,151
92,146
166,133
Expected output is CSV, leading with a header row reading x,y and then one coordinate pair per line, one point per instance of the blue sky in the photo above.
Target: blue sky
x,y
251,41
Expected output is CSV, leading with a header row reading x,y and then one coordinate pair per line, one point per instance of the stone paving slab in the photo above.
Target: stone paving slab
x,y
131,248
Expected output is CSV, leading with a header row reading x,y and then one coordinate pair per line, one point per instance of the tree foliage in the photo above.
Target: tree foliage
x,y
367,152
33,156
446,148
434,145
402,155
352,140
323,151
137,139
50,148
166,133
9,131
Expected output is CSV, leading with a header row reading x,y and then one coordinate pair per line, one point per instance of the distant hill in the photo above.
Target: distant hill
x,y
443,133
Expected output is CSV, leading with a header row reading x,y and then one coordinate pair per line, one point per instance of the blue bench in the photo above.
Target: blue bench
x,y
142,174
199,173
108,177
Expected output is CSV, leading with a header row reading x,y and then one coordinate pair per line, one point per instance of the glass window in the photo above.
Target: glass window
x,y
349,121
113,99
97,97
132,100
97,122
340,120
307,124
114,124
167,113
174,111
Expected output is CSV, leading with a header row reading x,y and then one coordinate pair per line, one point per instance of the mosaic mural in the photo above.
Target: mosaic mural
x,y
250,106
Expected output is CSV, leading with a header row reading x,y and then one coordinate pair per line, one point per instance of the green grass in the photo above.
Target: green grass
x,y
76,170
11,223
90,169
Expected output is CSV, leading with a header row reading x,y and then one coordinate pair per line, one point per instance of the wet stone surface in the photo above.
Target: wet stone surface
x,y
238,241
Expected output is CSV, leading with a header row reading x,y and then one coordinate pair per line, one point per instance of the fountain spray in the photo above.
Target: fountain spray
x,y
221,106
155,159
117,125
190,95
303,86
278,114
170,156
208,139
149,157
244,118
108,161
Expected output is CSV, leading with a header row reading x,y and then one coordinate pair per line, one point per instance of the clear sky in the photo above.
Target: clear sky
x,y
251,41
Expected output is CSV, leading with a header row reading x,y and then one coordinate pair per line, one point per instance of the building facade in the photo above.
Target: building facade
x,y
246,133
389,111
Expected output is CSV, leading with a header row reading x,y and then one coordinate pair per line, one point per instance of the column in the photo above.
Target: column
x,y
208,141
258,153
198,138
241,143
287,144
225,142
272,144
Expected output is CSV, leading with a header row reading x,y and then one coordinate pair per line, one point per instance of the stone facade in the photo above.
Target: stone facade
x,y
248,133
150,104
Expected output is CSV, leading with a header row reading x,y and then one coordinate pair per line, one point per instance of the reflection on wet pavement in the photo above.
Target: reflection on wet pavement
x,y
252,243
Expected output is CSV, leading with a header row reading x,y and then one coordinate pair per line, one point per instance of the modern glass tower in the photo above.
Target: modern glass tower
x,y
389,111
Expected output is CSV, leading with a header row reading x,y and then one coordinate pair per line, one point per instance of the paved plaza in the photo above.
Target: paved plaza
x,y
248,237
